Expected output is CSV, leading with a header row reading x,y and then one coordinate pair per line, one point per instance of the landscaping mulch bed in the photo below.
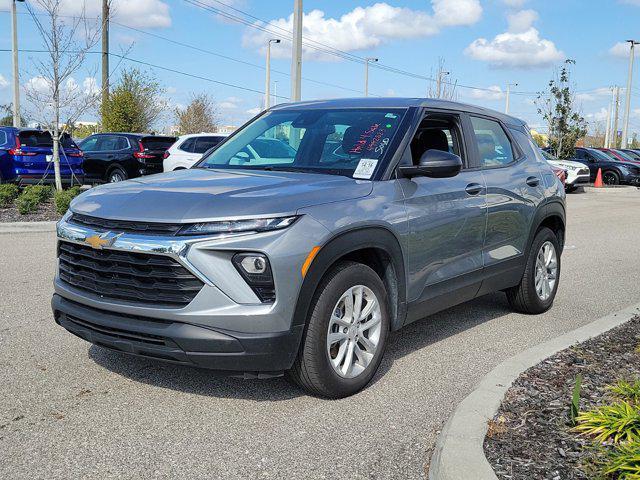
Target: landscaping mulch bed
x,y
530,436
46,212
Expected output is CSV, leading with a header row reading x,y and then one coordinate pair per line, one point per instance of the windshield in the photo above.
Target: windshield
x,y
350,142
548,156
625,155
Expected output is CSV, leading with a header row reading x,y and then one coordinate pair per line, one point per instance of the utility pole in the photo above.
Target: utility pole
x,y
616,108
16,76
506,106
625,125
366,74
296,54
267,84
607,135
105,52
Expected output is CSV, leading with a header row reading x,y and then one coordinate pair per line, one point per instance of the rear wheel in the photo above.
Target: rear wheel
x,y
539,284
610,178
116,175
346,333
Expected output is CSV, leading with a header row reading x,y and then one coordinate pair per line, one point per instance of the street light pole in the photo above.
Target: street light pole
x,y
105,53
267,84
16,76
616,109
625,125
366,74
296,57
506,106
607,135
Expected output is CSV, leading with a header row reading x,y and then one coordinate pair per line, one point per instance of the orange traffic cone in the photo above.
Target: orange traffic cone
x,y
598,183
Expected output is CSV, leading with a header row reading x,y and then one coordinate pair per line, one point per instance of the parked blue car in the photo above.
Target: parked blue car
x,y
26,157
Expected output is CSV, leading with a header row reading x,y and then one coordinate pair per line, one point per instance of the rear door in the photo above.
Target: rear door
x,y
515,189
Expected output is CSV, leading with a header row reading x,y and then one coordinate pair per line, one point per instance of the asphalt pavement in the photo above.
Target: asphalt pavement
x,y
71,410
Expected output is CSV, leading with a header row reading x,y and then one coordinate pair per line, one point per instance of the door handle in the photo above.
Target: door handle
x,y
533,181
473,188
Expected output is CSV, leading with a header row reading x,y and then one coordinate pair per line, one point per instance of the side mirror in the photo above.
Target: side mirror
x,y
242,156
435,164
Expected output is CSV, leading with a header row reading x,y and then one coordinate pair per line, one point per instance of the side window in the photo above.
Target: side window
x,y
121,143
580,154
89,144
3,137
435,133
493,144
187,145
205,143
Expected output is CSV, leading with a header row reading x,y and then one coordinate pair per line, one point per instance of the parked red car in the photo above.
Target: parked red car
x,y
619,155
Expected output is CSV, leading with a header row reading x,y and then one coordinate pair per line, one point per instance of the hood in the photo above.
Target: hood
x,y
198,195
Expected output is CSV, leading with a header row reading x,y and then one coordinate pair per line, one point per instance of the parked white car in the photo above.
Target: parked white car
x,y
188,149
577,173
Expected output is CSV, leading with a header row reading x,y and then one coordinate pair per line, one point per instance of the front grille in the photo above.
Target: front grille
x,y
144,278
148,228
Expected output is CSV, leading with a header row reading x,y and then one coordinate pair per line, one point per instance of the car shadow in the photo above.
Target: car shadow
x,y
205,382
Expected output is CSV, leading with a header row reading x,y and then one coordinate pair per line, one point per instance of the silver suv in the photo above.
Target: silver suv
x,y
305,238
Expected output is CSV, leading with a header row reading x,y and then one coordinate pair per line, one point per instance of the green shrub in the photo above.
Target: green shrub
x,y
31,197
41,192
617,422
27,203
63,198
625,390
8,193
623,463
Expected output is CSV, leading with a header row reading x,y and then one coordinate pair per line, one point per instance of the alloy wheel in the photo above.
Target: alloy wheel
x,y
546,270
354,331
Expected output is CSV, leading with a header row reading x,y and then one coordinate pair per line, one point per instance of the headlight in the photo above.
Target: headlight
x,y
238,226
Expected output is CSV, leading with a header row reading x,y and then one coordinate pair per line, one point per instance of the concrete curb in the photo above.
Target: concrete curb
x,y
459,451
27,227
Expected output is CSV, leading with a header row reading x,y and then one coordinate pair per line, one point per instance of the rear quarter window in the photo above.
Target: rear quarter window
x,y
3,137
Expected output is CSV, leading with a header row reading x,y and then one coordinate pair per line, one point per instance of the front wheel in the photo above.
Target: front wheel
x,y
346,333
539,284
610,178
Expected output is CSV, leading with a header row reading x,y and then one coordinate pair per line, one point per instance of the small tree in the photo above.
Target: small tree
x,y
198,116
56,98
565,124
135,103
440,86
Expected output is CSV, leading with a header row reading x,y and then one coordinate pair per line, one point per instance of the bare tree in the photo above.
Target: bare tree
x,y
198,116
56,98
441,86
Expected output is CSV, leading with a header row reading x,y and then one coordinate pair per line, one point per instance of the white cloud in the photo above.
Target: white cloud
x,y
230,103
622,49
4,83
631,2
38,84
519,47
494,92
514,3
596,94
42,86
367,27
254,111
598,116
133,13
90,86
5,5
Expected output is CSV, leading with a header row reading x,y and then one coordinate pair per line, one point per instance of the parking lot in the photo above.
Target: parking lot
x,y
71,410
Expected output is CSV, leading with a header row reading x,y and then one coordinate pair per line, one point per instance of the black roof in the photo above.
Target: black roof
x,y
399,102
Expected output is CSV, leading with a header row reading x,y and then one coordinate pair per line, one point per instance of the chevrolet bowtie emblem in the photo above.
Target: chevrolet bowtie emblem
x,y
103,240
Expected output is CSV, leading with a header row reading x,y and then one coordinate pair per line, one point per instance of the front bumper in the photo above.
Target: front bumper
x,y
264,354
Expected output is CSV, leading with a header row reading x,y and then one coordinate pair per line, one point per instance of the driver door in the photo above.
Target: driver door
x,y
447,220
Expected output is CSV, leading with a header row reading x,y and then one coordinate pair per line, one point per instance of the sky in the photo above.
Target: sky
x,y
218,48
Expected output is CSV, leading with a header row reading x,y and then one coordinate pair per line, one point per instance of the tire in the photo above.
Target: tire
x,y
525,297
116,175
313,369
610,178
570,188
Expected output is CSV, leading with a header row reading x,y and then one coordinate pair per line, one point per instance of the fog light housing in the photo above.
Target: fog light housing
x,y
256,271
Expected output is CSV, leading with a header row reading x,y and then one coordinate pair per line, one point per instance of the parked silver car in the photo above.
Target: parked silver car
x,y
302,261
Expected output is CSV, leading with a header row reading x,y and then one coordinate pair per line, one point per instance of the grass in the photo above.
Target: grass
x,y
623,463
